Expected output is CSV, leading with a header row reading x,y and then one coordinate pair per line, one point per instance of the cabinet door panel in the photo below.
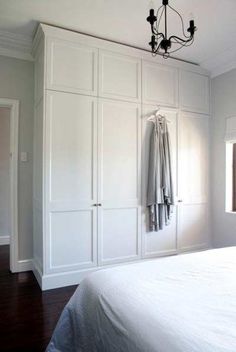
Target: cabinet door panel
x,y
71,238
71,190
193,157
119,76
193,182
119,234
193,227
119,194
194,92
72,124
71,67
163,241
160,84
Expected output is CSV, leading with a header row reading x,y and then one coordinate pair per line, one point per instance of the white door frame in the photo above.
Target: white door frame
x,y
13,105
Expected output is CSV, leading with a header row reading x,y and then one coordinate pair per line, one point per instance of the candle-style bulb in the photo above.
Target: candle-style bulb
x,y
192,27
151,18
191,23
153,42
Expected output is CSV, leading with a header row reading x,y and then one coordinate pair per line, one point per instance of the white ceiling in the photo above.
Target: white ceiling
x,y
125,21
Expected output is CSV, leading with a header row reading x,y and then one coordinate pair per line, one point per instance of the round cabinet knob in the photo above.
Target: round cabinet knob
x,y
99,204
180,200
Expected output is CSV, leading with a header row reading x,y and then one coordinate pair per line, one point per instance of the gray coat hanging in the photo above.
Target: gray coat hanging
x,y
160,195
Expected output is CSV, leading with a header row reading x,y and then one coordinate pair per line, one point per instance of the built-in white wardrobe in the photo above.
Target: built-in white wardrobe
x,y
91,150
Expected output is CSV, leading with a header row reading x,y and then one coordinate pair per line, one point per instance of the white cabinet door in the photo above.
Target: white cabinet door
x,y
194,92
119,181
71,67
119,76
159,84
163,241
193,182
71,186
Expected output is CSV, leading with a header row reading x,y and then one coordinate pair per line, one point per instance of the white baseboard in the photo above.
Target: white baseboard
x,y
23,265
37,272
51,281
4,240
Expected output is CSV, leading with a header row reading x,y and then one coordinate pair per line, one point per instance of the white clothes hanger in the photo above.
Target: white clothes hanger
x,y
153,117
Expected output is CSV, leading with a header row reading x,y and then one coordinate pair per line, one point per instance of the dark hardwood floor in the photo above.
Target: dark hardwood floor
x,y
27,315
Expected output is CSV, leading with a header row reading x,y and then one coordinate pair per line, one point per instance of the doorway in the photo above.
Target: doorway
x,y
9,117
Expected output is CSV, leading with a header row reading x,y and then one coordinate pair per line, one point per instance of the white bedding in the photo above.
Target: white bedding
x,y
184,303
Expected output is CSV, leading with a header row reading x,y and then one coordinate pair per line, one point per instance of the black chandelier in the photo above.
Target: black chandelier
x,y
160,42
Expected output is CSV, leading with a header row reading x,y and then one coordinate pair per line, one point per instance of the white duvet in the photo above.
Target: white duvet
x,y
184,303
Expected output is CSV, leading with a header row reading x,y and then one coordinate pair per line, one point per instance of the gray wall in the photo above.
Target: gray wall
x,y
223,106
4,172
17,82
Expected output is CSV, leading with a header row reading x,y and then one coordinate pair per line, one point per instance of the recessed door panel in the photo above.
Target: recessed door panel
x,y
71,239
193,182
71,67
119,234
193,158
193,227
119,148
72,147
120,76
194,92
160,84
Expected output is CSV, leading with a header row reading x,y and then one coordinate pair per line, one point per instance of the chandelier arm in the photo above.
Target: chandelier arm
x,y
156,51
173,51
181,19
159,20
181,46
180,39
160,35
162,6
153,29
181,43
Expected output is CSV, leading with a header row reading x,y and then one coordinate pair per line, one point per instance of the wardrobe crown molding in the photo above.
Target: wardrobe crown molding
x,y
16,45
23,47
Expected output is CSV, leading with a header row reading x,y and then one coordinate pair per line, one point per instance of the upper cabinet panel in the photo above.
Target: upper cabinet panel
x,y
71,67
119,76
160,84
194,92
71,143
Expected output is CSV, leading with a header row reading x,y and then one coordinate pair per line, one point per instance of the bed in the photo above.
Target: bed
x,y
182,303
